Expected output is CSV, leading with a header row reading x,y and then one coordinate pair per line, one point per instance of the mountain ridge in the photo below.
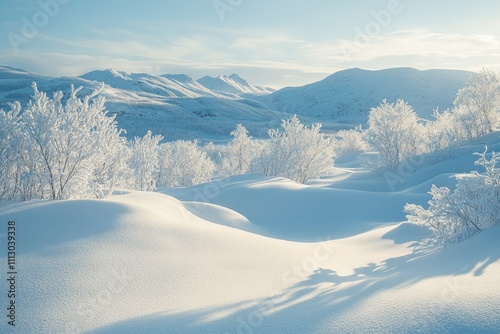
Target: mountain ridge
x,y
353,92
179,107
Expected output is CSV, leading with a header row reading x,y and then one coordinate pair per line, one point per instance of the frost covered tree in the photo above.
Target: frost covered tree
x,y
476,113
65,139
348,141
395,133
297,152
184,163
479,101
144,161
442,131
59,148
10,149
239,153
472,206
110,168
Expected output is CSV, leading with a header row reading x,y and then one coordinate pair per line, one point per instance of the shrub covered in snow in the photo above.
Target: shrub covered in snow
x,y
471,207
475,114
349,141
395,133
297,152
184,163
59,149
240,152
480,100
144,161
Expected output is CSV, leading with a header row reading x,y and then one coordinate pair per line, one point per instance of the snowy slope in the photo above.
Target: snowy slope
x,y
224,258
233,84
349,95
175,106
179,107
164,85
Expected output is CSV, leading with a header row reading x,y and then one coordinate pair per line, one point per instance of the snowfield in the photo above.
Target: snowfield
x,y
250,254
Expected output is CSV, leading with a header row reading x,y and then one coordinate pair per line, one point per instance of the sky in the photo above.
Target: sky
x,y
272,43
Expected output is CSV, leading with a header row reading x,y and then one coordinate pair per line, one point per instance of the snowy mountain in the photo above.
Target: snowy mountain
x,y
349,95
233,84
173,105
168,85
208,109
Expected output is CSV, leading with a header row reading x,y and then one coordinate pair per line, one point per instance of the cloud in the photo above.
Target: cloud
x,y
421,43
272,55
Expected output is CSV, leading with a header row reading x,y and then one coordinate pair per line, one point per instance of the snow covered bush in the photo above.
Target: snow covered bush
x,y
184,163
395,133
63,141
59,149
110,168
348,141
442,131
474,205
475,114
479,103
216,153
144,161
10,146
297,152
240,152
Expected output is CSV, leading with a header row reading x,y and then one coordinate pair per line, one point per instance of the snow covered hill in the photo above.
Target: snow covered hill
x,y
175,105
179,107
233,84
349,95
168,85
251,254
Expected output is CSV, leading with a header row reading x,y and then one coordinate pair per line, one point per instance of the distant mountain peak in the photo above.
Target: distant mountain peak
x,y
233,84
178,77
348,95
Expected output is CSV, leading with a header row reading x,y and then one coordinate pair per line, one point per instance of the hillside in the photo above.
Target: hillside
x,y
348,96
179,107
170,86
173,105
233,84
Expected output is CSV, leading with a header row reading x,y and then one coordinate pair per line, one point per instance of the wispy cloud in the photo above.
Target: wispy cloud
x,y
424,43
257,52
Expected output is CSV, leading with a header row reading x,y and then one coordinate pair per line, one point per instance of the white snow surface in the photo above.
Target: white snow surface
x,y
179,107
349,95
173,105
233,84
250,254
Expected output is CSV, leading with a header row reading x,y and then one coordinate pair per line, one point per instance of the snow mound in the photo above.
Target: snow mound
x,y
141,262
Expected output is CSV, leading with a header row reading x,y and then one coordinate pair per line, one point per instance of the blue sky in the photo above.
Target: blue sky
x,y
276,43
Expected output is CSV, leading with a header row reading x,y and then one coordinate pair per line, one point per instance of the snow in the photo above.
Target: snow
x,y
349,95
233,84
208,109
250,254
173,105
171,86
